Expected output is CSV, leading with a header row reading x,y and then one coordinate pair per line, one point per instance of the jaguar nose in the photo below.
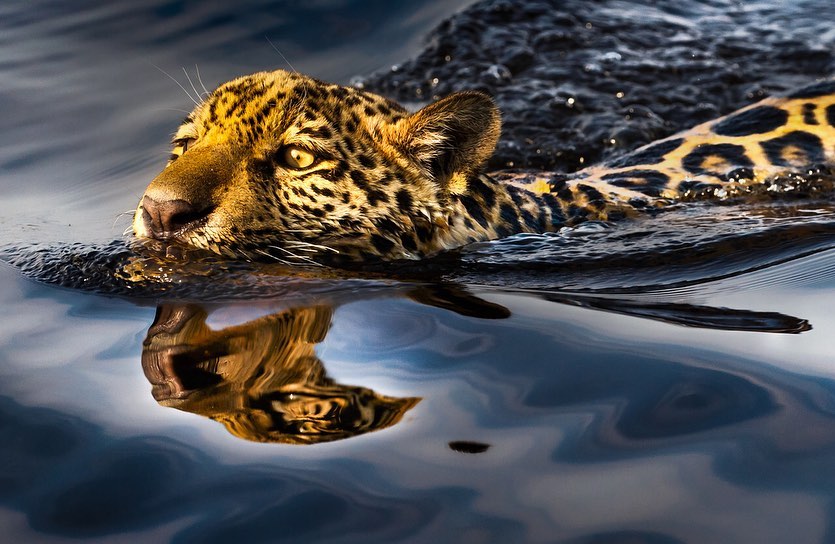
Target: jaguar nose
x,y
168,218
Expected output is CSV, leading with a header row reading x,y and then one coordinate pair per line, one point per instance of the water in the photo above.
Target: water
x,y
661,381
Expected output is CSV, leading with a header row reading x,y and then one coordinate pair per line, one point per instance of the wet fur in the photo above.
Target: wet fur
x,y
388,184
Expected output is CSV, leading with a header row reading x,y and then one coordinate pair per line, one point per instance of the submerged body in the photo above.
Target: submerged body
x,y
281,166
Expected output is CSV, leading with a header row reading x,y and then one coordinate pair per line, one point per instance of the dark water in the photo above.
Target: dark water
x,y
579,82
661,381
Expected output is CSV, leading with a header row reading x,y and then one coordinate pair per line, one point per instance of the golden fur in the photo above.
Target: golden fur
x,y
283,167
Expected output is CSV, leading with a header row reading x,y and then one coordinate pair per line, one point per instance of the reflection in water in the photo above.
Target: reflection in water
x,y
262,379
465,446
265,383
690,315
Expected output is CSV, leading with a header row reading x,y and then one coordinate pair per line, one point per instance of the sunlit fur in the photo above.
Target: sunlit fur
x,y
387,184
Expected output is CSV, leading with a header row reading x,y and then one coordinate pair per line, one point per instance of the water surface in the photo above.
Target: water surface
x,y
669,380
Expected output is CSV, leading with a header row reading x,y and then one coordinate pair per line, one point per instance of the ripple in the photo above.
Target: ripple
x,y
691,246
695,244
625,73
96,484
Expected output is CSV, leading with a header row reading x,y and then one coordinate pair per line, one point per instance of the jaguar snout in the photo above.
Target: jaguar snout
x,y
165,219
184,195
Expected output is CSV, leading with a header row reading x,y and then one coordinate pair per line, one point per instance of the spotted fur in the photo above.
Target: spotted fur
x,y
387,184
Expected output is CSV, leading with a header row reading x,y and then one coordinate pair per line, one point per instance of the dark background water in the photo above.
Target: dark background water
x,y
684,395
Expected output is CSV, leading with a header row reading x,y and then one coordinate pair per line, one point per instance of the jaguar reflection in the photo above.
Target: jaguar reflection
x,y
262,380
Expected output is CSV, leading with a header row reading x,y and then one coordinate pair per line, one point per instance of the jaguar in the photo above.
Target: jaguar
x,y
279,166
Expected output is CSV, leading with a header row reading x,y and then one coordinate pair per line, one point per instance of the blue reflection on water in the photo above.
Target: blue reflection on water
x,y
73,479
571,423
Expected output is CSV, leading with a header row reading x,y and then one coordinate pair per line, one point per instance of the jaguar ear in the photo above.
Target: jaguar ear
x,y
451,137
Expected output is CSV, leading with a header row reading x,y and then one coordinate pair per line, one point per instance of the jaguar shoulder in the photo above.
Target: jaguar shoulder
x,y
280,166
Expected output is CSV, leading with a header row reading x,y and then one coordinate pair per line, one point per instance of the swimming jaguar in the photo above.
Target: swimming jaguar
x,y
284,167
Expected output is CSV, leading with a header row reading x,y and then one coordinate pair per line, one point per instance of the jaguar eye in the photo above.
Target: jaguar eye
x,y
298,157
